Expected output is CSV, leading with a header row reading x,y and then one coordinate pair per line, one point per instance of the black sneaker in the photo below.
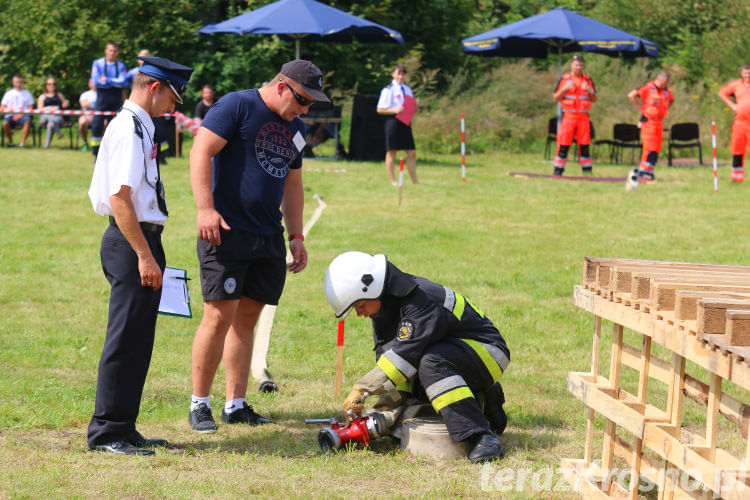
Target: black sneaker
x,y
245,415
558,171
201,419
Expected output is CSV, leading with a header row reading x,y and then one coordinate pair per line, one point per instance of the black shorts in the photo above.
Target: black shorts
x,y
244,265
397,135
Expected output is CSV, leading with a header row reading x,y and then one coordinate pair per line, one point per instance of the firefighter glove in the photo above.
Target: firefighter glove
x,y
355,401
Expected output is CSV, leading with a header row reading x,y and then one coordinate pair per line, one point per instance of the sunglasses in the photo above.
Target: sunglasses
x,y
303,101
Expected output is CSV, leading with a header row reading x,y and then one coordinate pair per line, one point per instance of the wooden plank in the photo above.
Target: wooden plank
x,y
712,474
603,401
662,333
732,409
641,280
686,301
621,276
628,317
590,264
711,313
590,416
690,347
712,415
674,397
662,291
738,327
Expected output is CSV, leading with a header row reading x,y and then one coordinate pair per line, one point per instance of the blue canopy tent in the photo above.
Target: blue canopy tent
x,y
558,30
307,20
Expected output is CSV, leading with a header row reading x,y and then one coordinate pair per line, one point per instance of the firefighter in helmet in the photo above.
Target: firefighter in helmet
x,y
430,341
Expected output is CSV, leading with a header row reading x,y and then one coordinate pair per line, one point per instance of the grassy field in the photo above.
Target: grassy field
x,y
514,245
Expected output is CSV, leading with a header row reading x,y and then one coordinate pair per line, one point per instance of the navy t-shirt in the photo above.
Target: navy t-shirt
x,y
250,171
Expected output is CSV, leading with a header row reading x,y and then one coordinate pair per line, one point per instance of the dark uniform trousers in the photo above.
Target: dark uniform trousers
x,y
452,374
130,337
106,100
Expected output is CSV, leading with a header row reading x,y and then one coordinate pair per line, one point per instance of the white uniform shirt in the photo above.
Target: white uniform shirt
x,y
127,160
90,96
392,96
17,100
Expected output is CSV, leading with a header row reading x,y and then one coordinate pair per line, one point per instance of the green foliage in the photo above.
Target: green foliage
x,y
62,38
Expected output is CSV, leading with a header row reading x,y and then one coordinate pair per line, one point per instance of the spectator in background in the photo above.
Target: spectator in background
x,y
654,100
51,100
575,92
17,99
87,102
207,100
110,78
740,89
137,69
398,135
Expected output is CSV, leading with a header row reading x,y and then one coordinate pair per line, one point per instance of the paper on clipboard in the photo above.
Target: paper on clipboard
x,y
175,296
410,107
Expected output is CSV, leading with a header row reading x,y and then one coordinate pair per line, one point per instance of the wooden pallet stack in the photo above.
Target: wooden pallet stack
x,y
699,312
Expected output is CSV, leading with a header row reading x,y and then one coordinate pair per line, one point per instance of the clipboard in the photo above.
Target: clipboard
x,y
410,107
175,295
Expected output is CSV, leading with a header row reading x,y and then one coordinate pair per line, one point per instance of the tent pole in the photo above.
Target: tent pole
x,y
559,76
296,48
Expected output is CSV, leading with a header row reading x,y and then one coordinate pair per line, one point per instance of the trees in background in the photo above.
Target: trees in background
x,y
701,43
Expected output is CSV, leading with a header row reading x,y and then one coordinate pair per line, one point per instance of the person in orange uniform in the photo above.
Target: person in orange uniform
x,y
575,92
654,100
740,89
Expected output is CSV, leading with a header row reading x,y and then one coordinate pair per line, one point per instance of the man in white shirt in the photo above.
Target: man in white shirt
x,y
126,187
17,99
88,103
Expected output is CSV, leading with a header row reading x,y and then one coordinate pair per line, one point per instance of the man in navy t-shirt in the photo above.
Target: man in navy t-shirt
x,y
255,138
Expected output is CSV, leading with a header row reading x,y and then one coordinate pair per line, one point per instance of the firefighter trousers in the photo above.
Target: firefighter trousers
x,y
452,372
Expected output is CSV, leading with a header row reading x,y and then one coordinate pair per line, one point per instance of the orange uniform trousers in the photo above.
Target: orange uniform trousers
x,y
573,125
738,146
652,132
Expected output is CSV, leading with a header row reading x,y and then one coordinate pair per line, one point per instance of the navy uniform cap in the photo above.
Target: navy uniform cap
x,y
176,75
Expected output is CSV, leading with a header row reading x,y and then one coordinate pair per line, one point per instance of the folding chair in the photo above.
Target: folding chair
x,y
551,137
625,135
67,124
32,131
685,135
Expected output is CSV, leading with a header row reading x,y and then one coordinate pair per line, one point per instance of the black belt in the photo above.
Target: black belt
x,y
146,226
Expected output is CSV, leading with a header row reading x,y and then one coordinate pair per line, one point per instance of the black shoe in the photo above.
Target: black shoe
x,y
587,170
121,447
245,415
558,171
201,419
136,439
487,448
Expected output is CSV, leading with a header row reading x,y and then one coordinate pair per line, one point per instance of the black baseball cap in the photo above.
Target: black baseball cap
x,y
308,76
176,75
577,57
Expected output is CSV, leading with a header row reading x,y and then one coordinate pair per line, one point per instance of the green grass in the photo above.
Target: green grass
x,y
515,246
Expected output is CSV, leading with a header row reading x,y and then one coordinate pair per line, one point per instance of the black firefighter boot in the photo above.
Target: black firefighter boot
x,y
486,448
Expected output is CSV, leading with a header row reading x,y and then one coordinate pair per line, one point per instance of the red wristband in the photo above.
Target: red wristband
x,y
296,236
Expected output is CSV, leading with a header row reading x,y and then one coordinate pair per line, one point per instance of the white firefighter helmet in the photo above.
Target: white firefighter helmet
x,y
354,276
